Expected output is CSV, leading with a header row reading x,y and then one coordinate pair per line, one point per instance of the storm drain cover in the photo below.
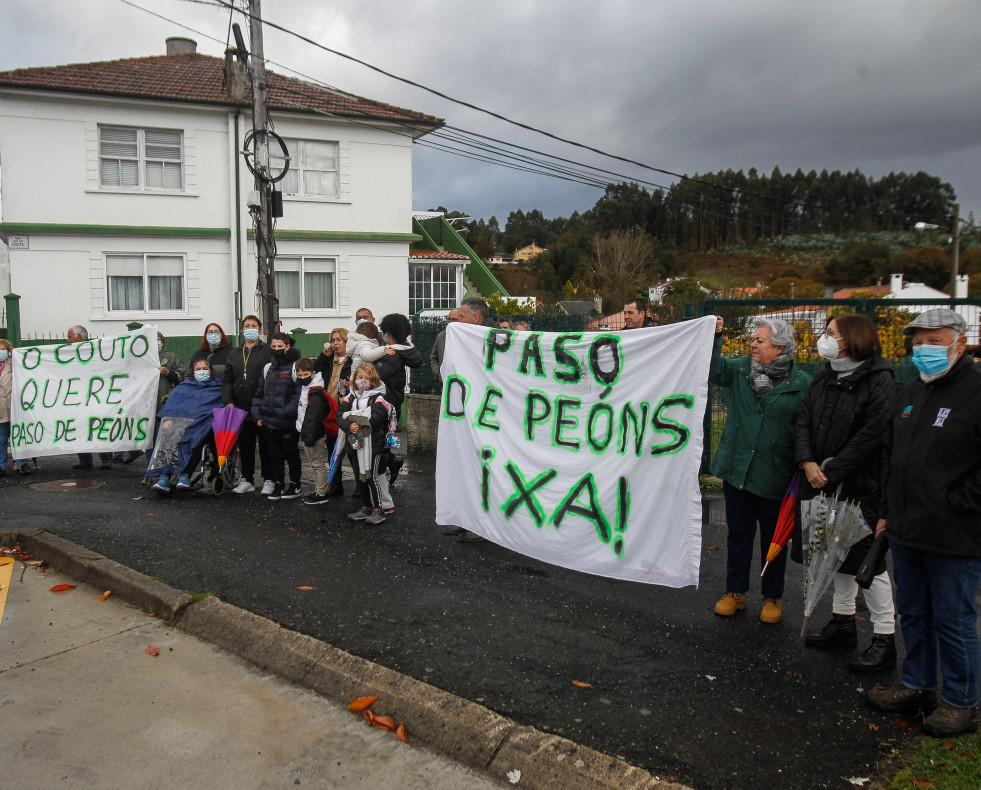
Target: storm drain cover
x,y
74,484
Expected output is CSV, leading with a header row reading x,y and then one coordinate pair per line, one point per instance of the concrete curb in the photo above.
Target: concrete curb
x,y
460,729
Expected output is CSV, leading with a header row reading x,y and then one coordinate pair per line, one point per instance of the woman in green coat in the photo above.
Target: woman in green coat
x,y
755,459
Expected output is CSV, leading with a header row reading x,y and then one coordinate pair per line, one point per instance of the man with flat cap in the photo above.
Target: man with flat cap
x,y
932,518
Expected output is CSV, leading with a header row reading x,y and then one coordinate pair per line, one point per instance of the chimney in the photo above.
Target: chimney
x,y
598,303
235,81
181,46
895,283
961,287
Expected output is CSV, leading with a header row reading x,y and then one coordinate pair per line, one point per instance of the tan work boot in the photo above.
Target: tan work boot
x,y
730,603
772,610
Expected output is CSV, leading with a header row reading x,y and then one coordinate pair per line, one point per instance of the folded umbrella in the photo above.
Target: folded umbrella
x,y
226,424
785,521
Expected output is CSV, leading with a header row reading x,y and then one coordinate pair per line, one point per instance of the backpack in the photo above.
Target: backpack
x,y
330,419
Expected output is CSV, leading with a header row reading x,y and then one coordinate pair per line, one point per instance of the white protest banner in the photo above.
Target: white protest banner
x,y
580,449
99,395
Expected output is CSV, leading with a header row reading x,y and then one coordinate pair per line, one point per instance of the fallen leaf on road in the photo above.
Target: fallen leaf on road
x,y
711,548
151,514
400,733
152,651
359,704
901,723
62,587
33,563
292,529
305,588
105,595
878,687
514,776
948,744
858,781
581,684
383,723
874,727
149,614
769,649
710,677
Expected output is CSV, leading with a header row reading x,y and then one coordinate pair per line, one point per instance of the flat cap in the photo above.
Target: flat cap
x,y
937,318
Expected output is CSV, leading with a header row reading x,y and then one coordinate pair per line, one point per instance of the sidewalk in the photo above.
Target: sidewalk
x,y
84,706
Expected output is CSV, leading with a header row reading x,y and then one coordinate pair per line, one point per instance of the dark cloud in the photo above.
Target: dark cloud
x,y
690,87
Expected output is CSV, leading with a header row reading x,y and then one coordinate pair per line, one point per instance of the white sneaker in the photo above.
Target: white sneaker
x,y
267,487
243,487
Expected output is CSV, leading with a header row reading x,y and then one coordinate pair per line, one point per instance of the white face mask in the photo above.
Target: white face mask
x,y
4,354
361,384
827,347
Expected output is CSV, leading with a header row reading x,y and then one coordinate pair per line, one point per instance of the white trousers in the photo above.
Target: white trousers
x,y
878,598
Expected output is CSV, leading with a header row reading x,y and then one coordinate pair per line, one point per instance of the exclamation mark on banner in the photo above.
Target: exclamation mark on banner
x,y
486,456
623,512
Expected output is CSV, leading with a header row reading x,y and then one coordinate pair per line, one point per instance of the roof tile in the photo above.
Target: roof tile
x,y
200,79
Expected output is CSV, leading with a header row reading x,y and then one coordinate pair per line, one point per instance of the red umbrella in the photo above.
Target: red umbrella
x,y
785,522
226,424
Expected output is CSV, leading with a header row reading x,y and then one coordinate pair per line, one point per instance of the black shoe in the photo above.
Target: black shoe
x,y
291,491
394,467
470,537
316,499
3,472
131,456
453,530
879,656
277,493
24,470
840,632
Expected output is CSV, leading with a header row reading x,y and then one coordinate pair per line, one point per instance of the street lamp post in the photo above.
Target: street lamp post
x,y
955,238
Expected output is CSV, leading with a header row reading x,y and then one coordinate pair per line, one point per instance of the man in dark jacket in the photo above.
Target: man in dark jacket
x,y
635,314
436,355
274,411
932,517
243,369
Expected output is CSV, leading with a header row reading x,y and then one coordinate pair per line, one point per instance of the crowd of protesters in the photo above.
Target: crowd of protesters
x,y
910,460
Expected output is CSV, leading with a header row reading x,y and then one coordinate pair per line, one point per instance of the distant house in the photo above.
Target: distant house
x,y
527,253
435,280
124,196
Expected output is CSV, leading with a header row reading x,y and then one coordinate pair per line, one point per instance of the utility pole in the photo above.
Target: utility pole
x,y
264,227
955,255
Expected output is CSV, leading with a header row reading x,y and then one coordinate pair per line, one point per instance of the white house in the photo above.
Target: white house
x,y
124,196
900,290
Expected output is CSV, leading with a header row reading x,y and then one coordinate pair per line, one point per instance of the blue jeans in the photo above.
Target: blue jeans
x,y
4,439
935,598
743,512
85,459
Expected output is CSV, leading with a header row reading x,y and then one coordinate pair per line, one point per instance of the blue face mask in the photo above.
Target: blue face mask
x,y
4,354
213,338
931,360
202,375
251,335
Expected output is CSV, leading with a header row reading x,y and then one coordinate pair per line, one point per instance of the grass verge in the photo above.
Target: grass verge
x,y
947,764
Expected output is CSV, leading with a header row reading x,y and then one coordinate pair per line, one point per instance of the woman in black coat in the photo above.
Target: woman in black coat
x,y
399,354
839,440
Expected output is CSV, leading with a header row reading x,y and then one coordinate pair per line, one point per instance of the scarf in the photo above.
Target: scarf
x,y
763,377
844,366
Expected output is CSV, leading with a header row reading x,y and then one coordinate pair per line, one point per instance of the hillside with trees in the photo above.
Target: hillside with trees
x,y
794,233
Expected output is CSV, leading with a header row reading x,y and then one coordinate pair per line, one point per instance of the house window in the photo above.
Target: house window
x,y
141,158
313,169
432,287
305,283
145,283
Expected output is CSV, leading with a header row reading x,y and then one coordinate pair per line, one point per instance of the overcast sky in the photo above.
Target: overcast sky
x,y
683,85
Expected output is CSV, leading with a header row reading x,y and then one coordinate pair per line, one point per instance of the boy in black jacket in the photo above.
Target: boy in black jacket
x,y
274,411
316,420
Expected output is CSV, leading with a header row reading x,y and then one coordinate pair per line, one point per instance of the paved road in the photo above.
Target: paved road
x,y
713,703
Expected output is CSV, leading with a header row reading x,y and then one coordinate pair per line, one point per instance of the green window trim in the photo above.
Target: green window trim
x,y
341,235
56,229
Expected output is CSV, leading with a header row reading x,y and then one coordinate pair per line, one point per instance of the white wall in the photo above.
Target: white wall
x,y
50,147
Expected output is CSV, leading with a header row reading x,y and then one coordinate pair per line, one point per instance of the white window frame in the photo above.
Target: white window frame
x,y
146,309
142,160
297,149
430,301
303,260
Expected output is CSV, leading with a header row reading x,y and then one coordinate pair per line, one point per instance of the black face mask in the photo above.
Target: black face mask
x,y
279,353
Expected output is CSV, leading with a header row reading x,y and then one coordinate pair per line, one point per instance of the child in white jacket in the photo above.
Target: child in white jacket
x,y
364,339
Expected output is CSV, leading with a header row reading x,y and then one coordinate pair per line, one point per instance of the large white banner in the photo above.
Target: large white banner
x,y
99,395
579,449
